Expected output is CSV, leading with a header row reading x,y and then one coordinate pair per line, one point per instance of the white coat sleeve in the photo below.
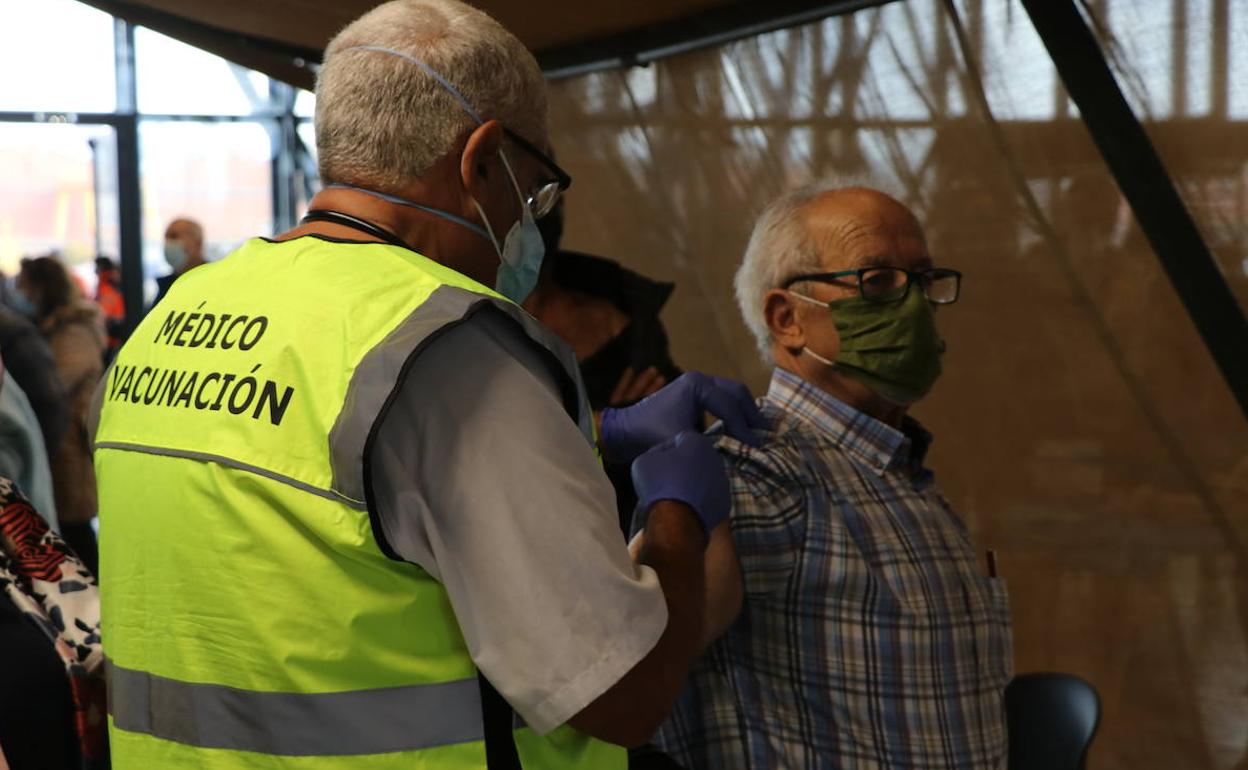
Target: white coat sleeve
x,y
481,478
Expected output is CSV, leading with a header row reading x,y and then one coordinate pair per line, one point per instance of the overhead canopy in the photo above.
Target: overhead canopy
x,y
285,38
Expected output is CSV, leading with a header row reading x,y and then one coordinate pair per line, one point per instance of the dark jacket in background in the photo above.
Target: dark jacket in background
x,y
76,335
163,284
28,360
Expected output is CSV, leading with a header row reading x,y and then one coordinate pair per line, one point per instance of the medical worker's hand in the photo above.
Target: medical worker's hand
x,y
628,432
686,469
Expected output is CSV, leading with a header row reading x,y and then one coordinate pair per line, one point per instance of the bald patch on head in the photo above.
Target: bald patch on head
x,y
859,227
189,228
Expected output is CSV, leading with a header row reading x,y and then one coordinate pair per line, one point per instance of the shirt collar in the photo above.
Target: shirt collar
x,y
874,443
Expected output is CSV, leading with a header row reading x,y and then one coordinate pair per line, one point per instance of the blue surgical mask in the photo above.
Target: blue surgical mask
x,y
522,250
175,255
22,304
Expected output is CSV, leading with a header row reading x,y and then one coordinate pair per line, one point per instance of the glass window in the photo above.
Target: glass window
x,y
57,56
305,104
177,79
218,174
307,132
57,192
307,176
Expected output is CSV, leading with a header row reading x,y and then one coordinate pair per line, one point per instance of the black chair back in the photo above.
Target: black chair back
x,y
1052,720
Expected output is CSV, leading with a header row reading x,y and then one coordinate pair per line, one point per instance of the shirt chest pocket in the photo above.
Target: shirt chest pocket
x,y
914,562
990,607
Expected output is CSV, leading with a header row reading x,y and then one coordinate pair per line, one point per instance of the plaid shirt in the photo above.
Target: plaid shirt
x,y
869,637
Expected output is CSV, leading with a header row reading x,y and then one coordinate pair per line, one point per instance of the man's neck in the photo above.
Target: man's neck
x,y
847,391
428,234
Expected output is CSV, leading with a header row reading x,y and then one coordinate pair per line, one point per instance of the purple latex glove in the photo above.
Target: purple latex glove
x,y
628,432
687,469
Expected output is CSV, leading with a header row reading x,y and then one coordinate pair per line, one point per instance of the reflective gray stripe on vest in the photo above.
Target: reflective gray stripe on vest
x,y
295,724
229,462
379,372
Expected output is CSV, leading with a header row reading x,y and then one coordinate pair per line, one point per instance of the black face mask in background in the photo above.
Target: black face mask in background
x,y
603,370
642,344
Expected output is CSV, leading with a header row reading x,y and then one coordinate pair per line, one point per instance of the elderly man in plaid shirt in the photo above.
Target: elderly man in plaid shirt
x,y
862,632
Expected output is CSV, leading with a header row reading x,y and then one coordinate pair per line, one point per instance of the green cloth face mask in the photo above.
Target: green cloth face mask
x,y
893,349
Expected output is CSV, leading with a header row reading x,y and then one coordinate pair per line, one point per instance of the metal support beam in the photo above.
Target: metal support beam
x,y
282,141
96,192
129,195
305,163
1147,187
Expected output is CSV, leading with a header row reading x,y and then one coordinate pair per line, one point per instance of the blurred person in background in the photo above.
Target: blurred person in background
x,y
23,455
112,304
184,251
609,316
74,329
32,367
52,702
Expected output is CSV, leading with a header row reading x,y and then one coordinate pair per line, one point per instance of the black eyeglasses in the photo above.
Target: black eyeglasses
x,y
542,200
940,285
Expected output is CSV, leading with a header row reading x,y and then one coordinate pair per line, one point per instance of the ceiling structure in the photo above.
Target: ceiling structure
x,y
285,38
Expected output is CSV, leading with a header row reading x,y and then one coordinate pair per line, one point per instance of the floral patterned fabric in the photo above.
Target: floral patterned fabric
x,y
51,586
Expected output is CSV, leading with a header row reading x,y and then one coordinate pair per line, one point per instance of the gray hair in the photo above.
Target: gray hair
x,y
383,122
780,247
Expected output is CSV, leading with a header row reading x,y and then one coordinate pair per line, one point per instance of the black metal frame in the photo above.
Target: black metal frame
x,y
288,155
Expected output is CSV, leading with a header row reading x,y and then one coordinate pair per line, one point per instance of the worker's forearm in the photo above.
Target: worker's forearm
x,y
725,594
675,549
630,712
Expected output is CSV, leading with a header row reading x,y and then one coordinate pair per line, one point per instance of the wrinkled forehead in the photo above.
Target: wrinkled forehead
x,y
882,234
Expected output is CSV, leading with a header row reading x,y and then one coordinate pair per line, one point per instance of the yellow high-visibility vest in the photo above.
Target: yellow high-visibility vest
x,y
251,617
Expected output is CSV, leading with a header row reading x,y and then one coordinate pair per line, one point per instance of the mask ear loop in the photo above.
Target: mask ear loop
x,y
489,230
811,300
806,350
819,358
473,226
524,207
515,185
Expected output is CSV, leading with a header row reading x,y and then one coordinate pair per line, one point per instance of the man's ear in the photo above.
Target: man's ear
x,y
478,160
781,314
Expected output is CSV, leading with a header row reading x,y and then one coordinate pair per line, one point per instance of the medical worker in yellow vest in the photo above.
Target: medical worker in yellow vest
x,y
351,514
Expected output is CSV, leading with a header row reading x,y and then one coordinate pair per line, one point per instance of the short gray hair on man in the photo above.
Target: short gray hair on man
x,y
780,247
383,122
